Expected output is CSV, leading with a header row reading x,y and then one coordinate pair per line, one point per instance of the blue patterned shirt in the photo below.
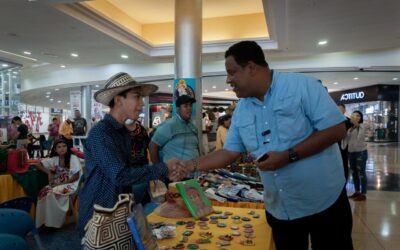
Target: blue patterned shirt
x,y
108,170
294,107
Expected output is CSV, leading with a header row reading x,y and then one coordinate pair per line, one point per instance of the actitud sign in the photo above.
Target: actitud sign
x,y
352,96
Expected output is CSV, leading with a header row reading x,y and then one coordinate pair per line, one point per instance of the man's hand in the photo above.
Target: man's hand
x,y
274,161
177,170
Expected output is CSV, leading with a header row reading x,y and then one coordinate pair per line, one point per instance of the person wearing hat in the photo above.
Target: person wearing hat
x,y
176,137
108,169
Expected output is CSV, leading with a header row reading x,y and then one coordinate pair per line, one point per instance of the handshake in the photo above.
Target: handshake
x,y
179,169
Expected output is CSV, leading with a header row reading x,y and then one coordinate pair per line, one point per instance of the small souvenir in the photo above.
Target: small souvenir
x,y
214,217
236,233
179,246
204,219
256,216
192,246
234,227
235,217
247,242
248,226
221,225
226,237
206,235
202,223
249,235
246,219
223,217
213,222
228,213
248,230
218,212
184,239
187,233
189,227
191,223
251,212
203,241
223,243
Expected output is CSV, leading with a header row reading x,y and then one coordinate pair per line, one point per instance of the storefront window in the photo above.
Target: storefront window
x,y
380,119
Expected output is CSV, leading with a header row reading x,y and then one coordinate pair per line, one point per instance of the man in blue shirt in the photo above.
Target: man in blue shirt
x,y
291,125
176,137
108,168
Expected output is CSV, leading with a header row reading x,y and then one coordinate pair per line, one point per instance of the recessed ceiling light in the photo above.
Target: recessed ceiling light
x,y
97,85
124,56
27,53
68,103
214,87
74,55
51,99
205,90
48,93
169,86
59,101
15,72
335,83
355,78
47,96
395,79
4,65
226,89
323,42
62,66
56,89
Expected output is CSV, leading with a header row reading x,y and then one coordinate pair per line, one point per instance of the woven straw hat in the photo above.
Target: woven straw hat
x,y
119,83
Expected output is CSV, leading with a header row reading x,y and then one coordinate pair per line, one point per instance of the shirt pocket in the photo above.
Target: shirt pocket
x,y
290,118
247,132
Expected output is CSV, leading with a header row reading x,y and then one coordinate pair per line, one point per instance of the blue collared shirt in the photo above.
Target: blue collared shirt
x,y
108,169
177,138
294,107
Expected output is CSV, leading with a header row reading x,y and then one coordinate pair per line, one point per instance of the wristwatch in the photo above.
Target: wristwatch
x,y
293,156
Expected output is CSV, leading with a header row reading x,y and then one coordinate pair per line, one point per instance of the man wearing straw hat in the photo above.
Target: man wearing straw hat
x,y
107,150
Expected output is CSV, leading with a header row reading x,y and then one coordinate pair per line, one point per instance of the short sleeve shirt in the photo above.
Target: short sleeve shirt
x,y
294,107
177,139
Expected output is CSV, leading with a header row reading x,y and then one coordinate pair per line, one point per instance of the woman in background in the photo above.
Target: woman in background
x,y
63,170
358,155
224,122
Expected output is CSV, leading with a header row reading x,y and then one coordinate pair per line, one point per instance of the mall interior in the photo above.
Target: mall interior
x,y
56,54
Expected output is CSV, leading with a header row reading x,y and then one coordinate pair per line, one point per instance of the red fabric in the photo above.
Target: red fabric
x,y
78,153
17,161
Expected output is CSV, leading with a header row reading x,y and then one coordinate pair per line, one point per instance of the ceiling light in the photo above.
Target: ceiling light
x,y
336,83
169,86
15,72
214,87
62,66
68,103
56,89
97,85
124,56
51,99
48,93
395,79
27,53
355,78
4,65
74,55
205,90
47,96
59,101
226,89
323,42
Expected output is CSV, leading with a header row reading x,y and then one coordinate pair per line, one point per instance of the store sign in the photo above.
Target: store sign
x,y
352,96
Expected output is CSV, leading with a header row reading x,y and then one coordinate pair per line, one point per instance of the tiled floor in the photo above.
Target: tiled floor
x,y
376,221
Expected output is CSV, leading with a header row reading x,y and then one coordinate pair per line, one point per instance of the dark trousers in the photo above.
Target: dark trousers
x,y
329,229
345,159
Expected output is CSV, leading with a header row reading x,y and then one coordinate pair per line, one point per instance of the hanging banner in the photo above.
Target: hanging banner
x,y
96,110
75,100
184,86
